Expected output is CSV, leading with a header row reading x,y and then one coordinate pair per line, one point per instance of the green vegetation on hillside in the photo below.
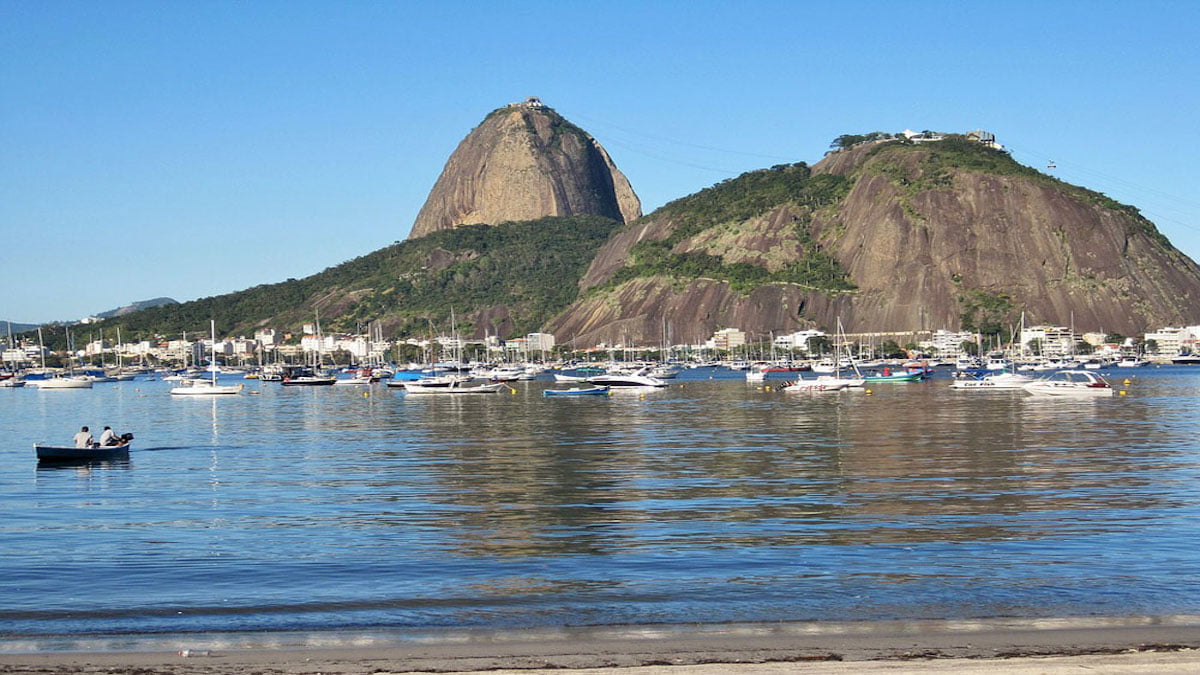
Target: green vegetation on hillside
x,y
737,200
986,312
531,268
958,153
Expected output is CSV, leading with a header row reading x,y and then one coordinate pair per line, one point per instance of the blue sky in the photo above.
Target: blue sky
x,y
190,149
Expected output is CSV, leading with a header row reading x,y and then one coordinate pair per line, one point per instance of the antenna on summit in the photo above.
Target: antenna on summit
x,y
1051,165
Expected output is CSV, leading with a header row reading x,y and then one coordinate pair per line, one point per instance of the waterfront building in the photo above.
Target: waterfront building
x,y
727,338
1051,341
1172,341
797,340
949,343
540,342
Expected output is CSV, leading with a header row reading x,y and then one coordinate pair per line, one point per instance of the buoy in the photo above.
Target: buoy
x,y
869,392
366,394
1127,382
1122,392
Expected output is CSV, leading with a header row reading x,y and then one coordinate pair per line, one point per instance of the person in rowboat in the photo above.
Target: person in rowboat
x,y
84,439
109,437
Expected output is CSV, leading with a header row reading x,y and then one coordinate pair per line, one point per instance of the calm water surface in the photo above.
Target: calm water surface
x,y
712,501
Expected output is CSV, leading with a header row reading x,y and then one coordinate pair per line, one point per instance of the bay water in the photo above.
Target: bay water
x,y
344,510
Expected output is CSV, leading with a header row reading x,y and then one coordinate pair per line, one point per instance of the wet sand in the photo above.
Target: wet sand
x,y
1150,645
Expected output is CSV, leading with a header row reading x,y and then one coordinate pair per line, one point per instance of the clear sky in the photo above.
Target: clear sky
x,y
190,149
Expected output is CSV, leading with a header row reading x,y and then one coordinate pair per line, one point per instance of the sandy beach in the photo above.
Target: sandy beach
x,y
1150,645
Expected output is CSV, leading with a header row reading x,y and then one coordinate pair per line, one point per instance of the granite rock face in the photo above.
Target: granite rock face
x,y
920,233
524,162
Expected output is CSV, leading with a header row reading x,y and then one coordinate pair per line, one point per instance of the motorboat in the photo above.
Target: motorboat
x,y
1132,362
559,377
667,371
832,384
94,453
456,386
12,382
641,378
431,381
199,387
1079,383
66,382
577,391
890,376
994,381
356,380
308,381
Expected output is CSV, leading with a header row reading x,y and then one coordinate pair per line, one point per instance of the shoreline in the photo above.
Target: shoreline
x,y
1152,644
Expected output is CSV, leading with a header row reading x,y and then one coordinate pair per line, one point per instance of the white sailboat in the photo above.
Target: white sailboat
x,y
199,387
69,381
839,361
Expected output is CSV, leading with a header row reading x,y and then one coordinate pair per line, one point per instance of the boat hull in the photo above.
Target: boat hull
x,y
591,391
65,453
494,388
63,383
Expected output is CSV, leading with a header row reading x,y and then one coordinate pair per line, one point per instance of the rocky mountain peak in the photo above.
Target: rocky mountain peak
x,y
524,162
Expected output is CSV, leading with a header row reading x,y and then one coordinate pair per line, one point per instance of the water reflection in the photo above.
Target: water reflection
x,y
710,498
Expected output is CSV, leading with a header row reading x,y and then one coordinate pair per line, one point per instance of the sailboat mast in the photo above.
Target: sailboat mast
x,y
213,366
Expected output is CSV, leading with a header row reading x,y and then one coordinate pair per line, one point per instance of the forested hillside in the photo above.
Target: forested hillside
x,y
506,279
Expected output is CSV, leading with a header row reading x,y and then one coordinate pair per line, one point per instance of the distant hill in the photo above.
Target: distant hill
x,y
17,327
136,306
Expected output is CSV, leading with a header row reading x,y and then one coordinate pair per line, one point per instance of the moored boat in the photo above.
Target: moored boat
x,y
577,391
641,378
995,381
70,453
68,382
457,386
832,384
199,387
1079,383
889,376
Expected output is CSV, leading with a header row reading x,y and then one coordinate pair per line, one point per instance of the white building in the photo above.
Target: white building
x,y
540,342
1173,341
312,343
268,337
727,338
949,343
1052,341
797,340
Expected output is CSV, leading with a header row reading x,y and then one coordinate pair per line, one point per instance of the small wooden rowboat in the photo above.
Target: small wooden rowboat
x,y
70,453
